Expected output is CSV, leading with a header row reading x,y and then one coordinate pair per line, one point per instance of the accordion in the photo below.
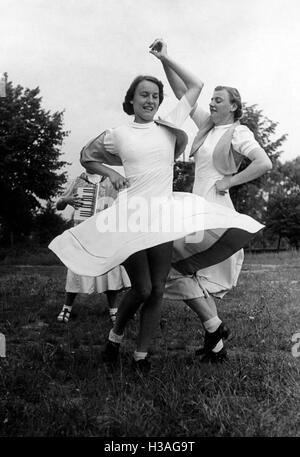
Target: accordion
x,y
89,196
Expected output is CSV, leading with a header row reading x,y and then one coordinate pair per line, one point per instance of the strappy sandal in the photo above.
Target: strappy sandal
x,y
64,315
113,317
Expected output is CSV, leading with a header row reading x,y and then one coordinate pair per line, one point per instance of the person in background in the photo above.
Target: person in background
x,y
110,283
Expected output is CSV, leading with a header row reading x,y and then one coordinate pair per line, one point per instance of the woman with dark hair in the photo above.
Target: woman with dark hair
x,y
217,150
138,230
128,105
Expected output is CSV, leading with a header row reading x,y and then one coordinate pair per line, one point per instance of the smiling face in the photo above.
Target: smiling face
x,y
221,108
145,101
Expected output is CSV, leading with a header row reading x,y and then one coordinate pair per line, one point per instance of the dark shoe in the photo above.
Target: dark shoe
x,y
215,357
142,366
212,339
110,354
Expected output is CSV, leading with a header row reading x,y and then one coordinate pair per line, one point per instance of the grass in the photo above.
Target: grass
x,y
53,382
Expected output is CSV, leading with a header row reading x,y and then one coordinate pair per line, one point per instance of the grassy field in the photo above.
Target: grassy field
x,y
53,383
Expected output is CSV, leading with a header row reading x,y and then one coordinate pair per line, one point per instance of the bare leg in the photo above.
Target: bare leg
x,y
159,259
204,307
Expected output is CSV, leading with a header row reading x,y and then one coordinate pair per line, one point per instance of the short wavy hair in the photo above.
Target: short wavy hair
x,y
127,106
234,97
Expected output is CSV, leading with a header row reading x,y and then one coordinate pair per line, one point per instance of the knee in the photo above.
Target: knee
x,y
142,292
158,290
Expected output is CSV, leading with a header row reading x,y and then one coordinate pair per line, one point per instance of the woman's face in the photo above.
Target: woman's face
x,y
221,109
145,101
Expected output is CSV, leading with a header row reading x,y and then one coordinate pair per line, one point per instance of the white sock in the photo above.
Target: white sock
x,y
113,311
69,308
114,337
218,346
139,355
212,324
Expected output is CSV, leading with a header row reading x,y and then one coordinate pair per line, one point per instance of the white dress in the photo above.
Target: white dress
x,y
219,278
115,279
148,213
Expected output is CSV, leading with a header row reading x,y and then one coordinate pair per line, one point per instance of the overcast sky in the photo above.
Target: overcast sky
x,y
83,54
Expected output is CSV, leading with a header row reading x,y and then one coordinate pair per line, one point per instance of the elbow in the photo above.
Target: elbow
x,y
82,158
268,165
199,86
264,167
179,93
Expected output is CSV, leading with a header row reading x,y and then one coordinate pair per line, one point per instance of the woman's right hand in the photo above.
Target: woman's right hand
x,y
158,48
74,201
118,181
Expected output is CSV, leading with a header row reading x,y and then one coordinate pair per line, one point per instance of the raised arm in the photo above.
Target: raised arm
x,y
181,80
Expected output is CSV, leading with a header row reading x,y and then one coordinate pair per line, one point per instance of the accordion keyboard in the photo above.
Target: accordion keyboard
x,y
89,195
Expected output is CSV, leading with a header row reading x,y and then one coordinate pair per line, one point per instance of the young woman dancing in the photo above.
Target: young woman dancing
x,y
218,149
146,149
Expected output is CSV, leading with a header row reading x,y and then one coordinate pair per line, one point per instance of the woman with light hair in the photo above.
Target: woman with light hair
x,y
217,150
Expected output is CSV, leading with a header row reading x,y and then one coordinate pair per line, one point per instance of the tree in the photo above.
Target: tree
x,y
283,212
289,174
30,165
283,217
48,224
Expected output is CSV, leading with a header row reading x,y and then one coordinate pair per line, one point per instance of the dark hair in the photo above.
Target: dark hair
x,y
127,106
234,97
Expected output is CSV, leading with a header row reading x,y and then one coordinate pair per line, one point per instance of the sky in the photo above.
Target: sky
x,y
83,55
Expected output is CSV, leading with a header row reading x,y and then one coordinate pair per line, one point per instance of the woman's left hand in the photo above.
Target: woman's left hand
x,y
223,185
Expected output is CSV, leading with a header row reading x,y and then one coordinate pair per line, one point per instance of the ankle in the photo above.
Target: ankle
x,y
211,325
114,337
138,355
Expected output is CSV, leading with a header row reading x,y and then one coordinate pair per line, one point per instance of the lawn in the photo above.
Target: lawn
x,y
53,382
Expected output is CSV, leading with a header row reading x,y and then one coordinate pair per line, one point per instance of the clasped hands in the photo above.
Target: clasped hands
x,y
158,48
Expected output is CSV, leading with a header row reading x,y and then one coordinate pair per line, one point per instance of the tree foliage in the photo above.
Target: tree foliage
x,y
283,212
30,165
48,224
283,217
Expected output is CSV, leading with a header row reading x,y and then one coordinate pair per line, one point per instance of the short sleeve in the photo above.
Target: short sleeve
x,y
180,113
199,116
109,141
101,149
243,140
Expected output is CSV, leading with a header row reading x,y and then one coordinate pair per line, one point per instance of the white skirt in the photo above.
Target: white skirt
x,y
115,279
105,240
217,279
